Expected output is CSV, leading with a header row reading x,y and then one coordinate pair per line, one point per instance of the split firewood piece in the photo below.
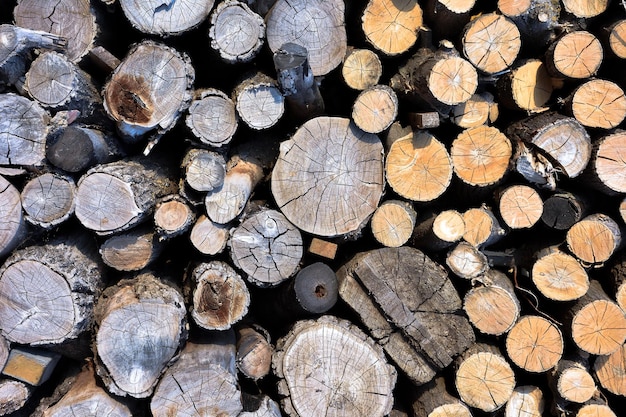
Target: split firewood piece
x,y
436,231
417,306
259,406
606,167
13,228
418,167
375,108
484,379
563,209
481,155
259,102
598,103
617,38
585,9
207,237
480,109
393,222
562,138
141,324
448,17
149,90
78,147
323,248
317,379
392,27
33,366
296,82
594,239
537,20
610,371
617,275
13,395
72,20
535,344
530,162
212,117
598,324
312,291
236,32
254,351
491,305
64,279
173,216
559,276
267,247
424,120
48,200
86,398
204,377
204,170
119,195
491,42
166,18
325,37
571,381
575,55
361,69
439,80
219,296
466,261
433,400
132,250
482,227
520,206
103,59
526,87
315,188
23,131
526,400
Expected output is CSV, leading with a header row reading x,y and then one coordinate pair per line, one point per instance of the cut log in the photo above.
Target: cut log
x,y
119,195
481,155
13,228
559,276
262,406
491,42
520,206
204,169
173,216
484,379
598,103
48,200
617,276
585,9
166,19
392,27
312,291
267,247
315,187
436,231
325,37
30,365
534,166
317,379
296,82
482,228
480,109
141,326
617,38
132,250
207,237
203,381
13,396
72,20
571,381
525,87
433,400
466,261
606,167
537,20
23,130
535,344
361,69
563,209
254,352
212,117
598,325
595,410
448,17
393,222
610,371
236,32
375,108
219,296
526,400
418,167
594,239
323,248
491,305
63,280
149,90
259,102
576,54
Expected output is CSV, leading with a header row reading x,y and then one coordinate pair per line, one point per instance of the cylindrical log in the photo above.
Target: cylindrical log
x,y
598,103
559,276
535,344
13,396
563,209
132,250
141,326
23,130
212,117
617,38
267,247
482,228
576,54
263,406
207,237
480,109
311,384
236,32
571,381
219,296
433,400
259,102
537,20
166,19
606,167
527,401
520,206
594,239
466,261
610,371
438,231
531,163
48,200
325,37
594,409
383,17
585,9
254,352
173,216
361,69
12,225
375,108
204,169
393,222
526,87
312,291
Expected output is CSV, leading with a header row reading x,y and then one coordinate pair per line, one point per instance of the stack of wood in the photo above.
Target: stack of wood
x,y
312,207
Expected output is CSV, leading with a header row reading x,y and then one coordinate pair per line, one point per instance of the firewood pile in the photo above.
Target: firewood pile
x,y
312,208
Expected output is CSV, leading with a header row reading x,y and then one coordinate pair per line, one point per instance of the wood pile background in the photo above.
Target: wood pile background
x,y
312,208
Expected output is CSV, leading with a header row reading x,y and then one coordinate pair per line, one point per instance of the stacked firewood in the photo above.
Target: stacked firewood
x,y
312,208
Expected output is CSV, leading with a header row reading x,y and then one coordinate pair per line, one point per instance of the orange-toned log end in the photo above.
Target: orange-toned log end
x,y
560,277
491,42
617,38
599,103
599,327
577,55
520,206
576,384
610,371
128,99
391,26
535,344
491,309
453,80
594,239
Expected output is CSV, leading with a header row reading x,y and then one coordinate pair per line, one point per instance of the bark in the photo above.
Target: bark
x,y
403,19
437,231
166,19
260,407
13,396
448,17
236,32
537,20
563,209
48,200
433,400
254,351
212,117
